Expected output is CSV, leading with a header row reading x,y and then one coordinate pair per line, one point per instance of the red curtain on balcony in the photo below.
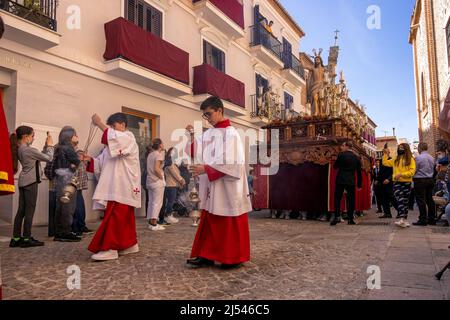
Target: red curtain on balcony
x,y
211,81
124,39
232,8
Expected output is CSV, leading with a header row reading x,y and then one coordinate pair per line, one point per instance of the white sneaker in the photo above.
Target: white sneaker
x,y
106,255
133,249
402,223
158,227
172,220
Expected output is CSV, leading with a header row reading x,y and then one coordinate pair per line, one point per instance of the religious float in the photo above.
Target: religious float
x,y
309,143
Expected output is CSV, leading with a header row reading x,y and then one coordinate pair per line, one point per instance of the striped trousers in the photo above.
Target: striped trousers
x,y
402,191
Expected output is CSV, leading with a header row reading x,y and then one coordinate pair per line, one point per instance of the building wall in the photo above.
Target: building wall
x,y
441,19
66,84
423,79
391,142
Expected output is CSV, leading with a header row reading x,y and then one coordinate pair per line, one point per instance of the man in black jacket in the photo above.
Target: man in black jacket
x,y
377,186
387,191
348,164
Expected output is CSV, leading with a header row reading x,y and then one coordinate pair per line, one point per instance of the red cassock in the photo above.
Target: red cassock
x,y
219,238
118,228
6,165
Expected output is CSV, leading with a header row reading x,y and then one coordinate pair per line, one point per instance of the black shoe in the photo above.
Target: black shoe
x,y
351,222
431,222
446,224
86,230
79,234
224,266
69,237
15,243
199,262
31,243
386,216
334,222
419,223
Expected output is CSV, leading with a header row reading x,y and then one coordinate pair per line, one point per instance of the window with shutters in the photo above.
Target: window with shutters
x,y
262,85
213,56
287,54
288,101
144,16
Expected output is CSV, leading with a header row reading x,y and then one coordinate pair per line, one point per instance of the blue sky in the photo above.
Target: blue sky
x,y
378,64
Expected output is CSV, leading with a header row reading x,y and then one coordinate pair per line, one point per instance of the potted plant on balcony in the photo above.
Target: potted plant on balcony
x,y
32,11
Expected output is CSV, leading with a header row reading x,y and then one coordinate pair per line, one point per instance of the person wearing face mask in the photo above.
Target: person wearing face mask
x,y
404,168
174,181
65,165
156,184
424,185
441,153
29,178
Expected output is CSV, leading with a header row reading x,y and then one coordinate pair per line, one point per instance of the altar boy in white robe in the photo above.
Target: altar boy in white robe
x,y
118,191
223,234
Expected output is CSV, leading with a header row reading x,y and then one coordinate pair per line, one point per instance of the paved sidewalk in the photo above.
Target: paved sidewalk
x,y
291,259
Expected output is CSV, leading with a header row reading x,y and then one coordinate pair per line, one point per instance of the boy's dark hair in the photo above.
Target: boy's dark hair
x,y
423,146
156,143
213,102
118,117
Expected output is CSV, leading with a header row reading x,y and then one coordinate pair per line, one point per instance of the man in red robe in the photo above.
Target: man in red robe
x,y
223,234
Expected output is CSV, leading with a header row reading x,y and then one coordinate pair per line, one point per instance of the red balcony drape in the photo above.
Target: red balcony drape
x,y
124,39
232,8
208,80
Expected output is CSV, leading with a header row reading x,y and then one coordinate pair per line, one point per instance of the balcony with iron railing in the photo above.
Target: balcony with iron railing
x,y
293,70
261,115
41,12
266,46
31,22
225,15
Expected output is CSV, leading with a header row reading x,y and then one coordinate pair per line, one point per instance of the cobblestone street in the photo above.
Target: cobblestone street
x,y
291,259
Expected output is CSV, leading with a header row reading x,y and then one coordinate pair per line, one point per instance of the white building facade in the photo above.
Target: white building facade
x,y
155,60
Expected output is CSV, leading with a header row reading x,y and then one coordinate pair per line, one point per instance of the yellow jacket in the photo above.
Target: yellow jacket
x,y
407,172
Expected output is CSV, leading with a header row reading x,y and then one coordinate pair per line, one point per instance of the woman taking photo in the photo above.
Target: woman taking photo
x,y
404,168
29,178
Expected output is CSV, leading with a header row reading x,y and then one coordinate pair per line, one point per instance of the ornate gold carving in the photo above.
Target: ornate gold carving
x,y
321,155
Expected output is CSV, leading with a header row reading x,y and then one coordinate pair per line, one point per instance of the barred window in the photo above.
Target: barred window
x,y
144,15
213,56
